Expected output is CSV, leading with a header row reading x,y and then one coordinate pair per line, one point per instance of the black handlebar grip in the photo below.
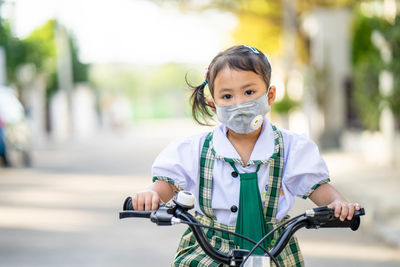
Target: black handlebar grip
x,y
353,224
135,213
128,210
128,204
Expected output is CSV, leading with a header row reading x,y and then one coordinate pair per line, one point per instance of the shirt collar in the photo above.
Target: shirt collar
x,y
263,149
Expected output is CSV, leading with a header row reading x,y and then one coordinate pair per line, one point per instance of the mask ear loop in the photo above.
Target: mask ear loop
x,y
269,87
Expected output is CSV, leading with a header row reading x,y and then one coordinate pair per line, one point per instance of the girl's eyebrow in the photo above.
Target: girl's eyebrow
x,y
225,90
247,85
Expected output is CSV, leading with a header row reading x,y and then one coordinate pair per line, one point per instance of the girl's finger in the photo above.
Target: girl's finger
x,y
357,206
134,202
338,209
155,201
345,211
351,211
140,202
148,201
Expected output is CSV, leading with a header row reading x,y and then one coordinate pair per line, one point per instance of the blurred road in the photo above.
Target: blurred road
x,y
64,211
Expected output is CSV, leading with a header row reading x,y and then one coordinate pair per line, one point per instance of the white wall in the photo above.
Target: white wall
x,y
84,118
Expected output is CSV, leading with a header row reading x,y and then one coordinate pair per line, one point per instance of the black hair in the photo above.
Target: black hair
x,y
239,57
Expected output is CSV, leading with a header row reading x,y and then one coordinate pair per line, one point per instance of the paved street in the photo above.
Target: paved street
x,y
64,210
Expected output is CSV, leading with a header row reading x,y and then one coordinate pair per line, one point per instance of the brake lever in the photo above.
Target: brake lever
x,y
164,215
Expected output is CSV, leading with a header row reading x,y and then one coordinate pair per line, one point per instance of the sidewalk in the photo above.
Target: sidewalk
x,y
377,189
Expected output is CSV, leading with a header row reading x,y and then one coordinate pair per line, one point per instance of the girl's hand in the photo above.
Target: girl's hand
x,y
146,200
344,209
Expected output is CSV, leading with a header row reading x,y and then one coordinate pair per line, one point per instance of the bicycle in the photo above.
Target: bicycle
x,y
177,212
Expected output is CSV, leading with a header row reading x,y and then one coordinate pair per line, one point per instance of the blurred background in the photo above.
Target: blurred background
x,y
91,92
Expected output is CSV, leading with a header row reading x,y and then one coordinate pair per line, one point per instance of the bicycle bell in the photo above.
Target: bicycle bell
x,y
185,199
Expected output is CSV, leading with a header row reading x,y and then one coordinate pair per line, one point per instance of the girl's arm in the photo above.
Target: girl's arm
x,y
326,194
150,198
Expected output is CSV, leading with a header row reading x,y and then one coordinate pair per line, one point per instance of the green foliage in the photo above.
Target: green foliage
x,y
368,64
167,78
285,105
80,71
366,94
393,35
41,51
154,91
39,48
115,79
14,49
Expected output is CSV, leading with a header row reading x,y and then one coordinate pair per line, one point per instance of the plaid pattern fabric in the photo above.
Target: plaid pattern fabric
x,y
206,170
275,178
327,180
167,179
189,252
291,255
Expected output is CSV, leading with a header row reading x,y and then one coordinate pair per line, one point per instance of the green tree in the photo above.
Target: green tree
x,y
14,49
80,70
261,24
41,51
368,64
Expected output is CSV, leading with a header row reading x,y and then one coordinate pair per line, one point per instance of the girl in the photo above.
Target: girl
x,y
246,173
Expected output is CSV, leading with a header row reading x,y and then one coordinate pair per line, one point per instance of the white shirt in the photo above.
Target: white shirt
x,y
303,168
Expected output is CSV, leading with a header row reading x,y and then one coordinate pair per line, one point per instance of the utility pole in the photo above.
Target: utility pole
x,y
289,35
64,69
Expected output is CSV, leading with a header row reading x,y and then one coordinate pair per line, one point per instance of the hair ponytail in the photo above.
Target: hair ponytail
x,y
200,108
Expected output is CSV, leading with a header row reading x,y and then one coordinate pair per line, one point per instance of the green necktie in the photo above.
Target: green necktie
x,y
250,220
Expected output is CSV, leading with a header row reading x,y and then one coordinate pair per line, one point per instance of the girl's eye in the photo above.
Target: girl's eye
x,y
227,96
249,92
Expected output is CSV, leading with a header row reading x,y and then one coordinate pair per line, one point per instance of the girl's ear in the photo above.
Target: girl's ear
x,y
212,105
271,95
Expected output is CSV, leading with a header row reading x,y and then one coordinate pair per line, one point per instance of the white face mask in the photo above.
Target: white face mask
x,y
246,117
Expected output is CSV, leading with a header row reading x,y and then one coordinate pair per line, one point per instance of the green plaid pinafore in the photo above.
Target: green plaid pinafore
x,y
190,253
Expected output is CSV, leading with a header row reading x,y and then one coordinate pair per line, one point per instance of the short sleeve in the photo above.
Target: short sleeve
x,y
178,163
304,168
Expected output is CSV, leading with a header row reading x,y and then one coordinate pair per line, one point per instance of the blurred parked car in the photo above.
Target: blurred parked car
x,y
3,153
15,136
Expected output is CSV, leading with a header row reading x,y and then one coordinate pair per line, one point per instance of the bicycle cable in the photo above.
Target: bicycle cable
x,y
228,232
265,237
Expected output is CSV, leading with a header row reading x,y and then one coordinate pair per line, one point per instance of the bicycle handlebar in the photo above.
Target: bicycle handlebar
x,y
168,214
132,213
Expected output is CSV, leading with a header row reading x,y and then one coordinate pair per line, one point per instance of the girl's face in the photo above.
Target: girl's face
x,y
232,87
